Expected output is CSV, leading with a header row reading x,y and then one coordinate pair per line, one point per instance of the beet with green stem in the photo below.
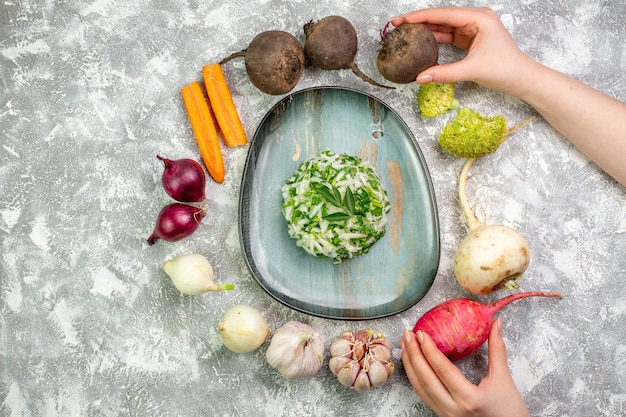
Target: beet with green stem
x,y
274,61
331,44
406,51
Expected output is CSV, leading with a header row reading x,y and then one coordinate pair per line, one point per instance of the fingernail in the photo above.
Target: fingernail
x,y
499,324
420,336
407,336
423,79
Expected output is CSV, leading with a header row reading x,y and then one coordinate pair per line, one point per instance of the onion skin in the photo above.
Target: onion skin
x,y
176,221
183,180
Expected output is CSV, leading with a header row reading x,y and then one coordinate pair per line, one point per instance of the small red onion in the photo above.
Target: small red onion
x,y
183,179
176,221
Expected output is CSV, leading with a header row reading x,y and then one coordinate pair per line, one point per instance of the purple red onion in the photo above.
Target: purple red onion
x,y
176,221
183,180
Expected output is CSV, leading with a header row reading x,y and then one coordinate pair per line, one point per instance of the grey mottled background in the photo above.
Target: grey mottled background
x,y
91,326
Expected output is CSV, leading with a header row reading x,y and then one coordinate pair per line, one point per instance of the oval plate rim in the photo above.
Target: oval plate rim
x,y
251,155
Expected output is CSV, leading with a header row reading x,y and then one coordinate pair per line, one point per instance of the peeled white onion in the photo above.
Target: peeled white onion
x,y
243,329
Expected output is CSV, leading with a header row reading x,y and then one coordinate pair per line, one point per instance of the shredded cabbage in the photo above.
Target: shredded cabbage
x,y
335,206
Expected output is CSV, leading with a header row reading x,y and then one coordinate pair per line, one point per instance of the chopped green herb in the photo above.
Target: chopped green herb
x,y
335,206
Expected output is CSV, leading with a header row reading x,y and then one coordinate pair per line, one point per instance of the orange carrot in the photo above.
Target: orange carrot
x,y
223,106
204,130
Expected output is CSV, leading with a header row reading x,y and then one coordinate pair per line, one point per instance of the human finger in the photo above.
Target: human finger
x,y
454,17
444,73
415,364
497,362
444,37
426,381
453,380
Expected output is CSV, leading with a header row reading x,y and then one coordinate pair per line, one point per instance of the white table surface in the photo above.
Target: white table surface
x,y
91,326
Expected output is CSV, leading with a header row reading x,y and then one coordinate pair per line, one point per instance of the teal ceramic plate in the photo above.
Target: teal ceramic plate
x,y
400,268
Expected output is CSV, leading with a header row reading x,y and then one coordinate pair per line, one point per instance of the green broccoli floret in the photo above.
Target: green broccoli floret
x,y
471,134
434,99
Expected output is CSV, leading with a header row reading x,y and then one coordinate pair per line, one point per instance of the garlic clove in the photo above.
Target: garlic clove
x,y
348,373
282,355
311,362
340,347
348,335
380,353
364,335
390,367
358,350
377,373
193,274
337,362
362,382
381,341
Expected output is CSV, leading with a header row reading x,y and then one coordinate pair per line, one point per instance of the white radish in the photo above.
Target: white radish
x,y
491,256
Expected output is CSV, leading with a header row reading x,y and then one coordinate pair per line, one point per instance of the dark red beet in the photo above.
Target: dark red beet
x,y
406,51
274,61
331,44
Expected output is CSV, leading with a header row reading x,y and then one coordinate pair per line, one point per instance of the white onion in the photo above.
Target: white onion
x,y
193,274
243,329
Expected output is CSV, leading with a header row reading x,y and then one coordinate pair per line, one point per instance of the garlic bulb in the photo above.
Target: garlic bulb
x,y
295,351
243,329
193,274
361,360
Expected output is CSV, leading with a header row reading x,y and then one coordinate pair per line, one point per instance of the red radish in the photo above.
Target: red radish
x,y
460,326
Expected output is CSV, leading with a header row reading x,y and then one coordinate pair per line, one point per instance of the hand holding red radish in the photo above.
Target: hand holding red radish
x,y
443,387
460,326
450,331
